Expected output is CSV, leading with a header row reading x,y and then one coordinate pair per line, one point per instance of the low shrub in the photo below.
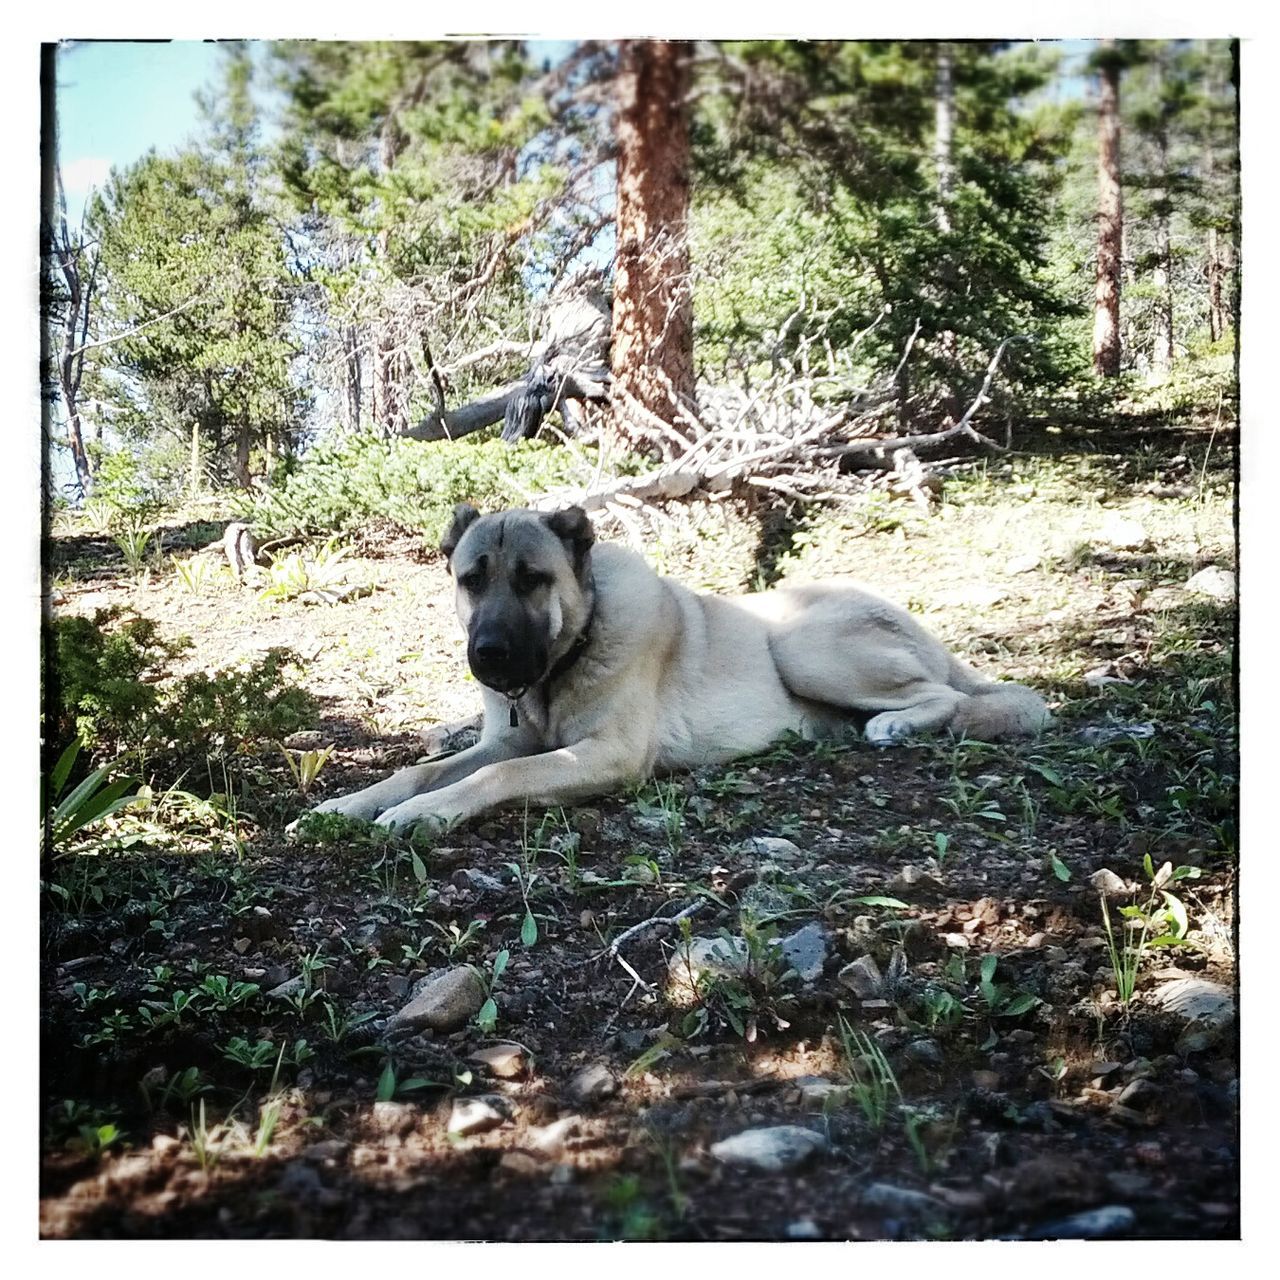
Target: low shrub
x,y
413,483
111,692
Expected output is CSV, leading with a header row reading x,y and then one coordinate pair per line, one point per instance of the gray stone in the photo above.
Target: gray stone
x,y
803,1229
915,879
550,1138
1108,883
394,1117
806,951
1139,1093
1214,582
926,1051
1101,735
442,1002
774,848
1122,533
593,1083
477,1115
771,1150
506,1061
1207,1008
815,1090
1096,1224
287,989
862,977
901,1201
1023,564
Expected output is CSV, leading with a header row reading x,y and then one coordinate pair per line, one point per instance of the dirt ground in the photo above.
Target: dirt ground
x,y
945,1099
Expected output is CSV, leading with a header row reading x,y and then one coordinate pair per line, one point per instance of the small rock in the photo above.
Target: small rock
x,y
815,1090
773,848
480,881
287,989
562,1175
926,1051
443,1002
394,1117
772,1150
1138,1094
550,1138
803,1229
506,1061
593,1084
520,1163
862,977
1108,883
1102,735
806,951
1128,1185
915,880
477,1115
164,1142
1023,564
1207,1008
1122,533
1096,1224
901,1201
986,1080
1214,582
306,740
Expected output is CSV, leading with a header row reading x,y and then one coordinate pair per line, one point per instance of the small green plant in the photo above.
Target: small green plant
x,y
872,1083
90,801
1146,926
195,573
223,994
529,925
134,541
253,1057
487,1018
305,765
95,1139
1002,1001
664,800
318,579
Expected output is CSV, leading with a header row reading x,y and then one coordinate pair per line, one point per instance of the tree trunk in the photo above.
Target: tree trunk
x,y
75,334
1162,346
243,442
1106,309
193,482
944,114
351,359
1214,272
652,300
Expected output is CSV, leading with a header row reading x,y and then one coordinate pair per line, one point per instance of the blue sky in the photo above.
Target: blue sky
x,y
118,99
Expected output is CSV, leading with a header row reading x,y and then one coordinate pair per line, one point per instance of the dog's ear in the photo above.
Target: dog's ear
x,y
464,516
573,528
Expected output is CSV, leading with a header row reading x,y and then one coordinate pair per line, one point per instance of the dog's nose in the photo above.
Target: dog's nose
x,y
491,651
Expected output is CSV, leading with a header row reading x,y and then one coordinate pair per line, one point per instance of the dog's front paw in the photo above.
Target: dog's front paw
x,y
358,804
416,813
887,728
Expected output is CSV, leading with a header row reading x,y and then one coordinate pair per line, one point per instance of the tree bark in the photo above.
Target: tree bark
x,y
944,115
652,328
1106,309
243,444
75,331
1214,274
1162,346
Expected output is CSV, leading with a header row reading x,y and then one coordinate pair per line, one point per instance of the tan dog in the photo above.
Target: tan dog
x,y
597,672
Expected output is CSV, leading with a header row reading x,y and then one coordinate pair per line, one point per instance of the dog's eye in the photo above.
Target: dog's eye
x,y
528,580
473,581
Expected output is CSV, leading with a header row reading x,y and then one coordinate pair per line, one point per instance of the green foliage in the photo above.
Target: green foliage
x,y
343,483
108,670
1146,926
92,800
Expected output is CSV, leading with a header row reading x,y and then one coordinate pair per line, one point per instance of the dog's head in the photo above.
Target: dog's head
x,y
523,589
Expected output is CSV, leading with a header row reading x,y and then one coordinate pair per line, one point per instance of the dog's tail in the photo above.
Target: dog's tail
x,y
995,709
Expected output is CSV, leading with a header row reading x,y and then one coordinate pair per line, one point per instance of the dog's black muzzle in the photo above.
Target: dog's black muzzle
x,y
507,658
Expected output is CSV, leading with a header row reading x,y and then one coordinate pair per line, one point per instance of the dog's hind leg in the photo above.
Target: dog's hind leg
x,y
931,707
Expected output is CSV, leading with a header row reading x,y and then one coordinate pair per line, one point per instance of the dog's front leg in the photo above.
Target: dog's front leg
x,y
419,778
555,777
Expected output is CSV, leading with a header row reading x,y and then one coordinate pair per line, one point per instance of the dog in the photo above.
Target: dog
x,y
597,672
